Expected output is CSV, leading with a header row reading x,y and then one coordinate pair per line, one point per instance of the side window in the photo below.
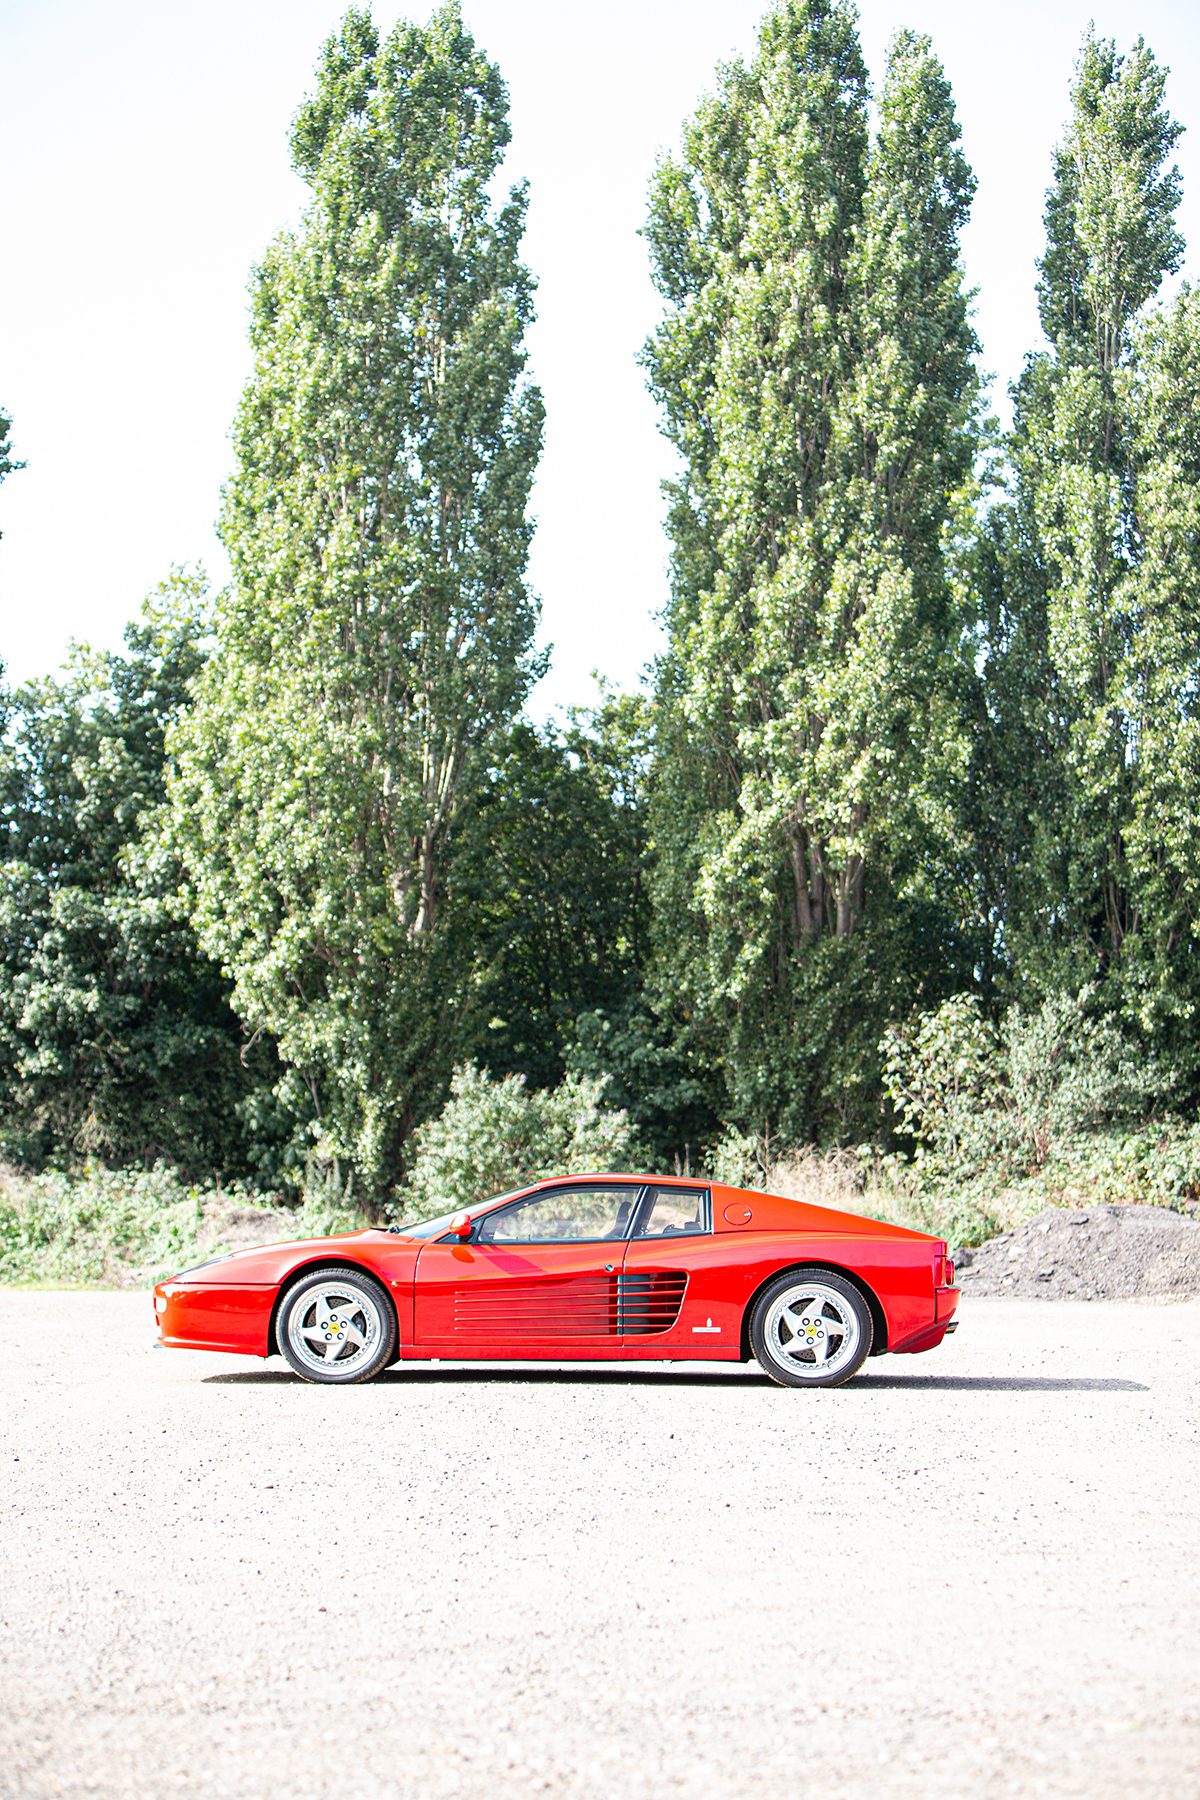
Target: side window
x,y
575,1215
673,1212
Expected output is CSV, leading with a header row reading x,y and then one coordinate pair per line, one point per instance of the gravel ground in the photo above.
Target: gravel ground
x,y
1090,1253
968,1572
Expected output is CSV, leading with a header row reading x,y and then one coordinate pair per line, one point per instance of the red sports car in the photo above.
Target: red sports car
x,y
617,1268
612,1267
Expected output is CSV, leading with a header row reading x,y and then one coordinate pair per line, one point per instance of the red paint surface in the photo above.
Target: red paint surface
x,y
677,1297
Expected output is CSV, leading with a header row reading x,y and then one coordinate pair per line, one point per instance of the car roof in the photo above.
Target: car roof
x,y
690,1181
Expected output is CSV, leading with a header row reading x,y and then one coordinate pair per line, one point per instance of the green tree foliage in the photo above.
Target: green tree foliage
x,y
376,642
558,853
1094,644
562,874
815,369
116,1036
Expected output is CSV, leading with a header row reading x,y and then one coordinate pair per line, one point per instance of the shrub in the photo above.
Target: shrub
x,y
121,1228
740,1159
95,1227
942,1073
1009,1099
494,1135
1067,1073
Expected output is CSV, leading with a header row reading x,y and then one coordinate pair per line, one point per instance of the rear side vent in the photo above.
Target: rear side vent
x,y
649,1302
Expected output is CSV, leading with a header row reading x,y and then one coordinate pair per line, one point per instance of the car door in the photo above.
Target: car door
x,y
539,1277
676,1299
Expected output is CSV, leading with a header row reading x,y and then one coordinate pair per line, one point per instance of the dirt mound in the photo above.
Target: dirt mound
x,y
1093,1253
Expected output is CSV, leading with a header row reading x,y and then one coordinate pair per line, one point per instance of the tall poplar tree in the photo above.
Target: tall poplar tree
x,y
7,461
7,465
376,640
1096,647
815,368
1161,691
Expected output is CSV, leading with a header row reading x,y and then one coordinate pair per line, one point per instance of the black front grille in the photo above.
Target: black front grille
x,y
650,1301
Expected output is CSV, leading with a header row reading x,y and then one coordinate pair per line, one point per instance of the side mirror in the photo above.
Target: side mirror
x,y
460,1226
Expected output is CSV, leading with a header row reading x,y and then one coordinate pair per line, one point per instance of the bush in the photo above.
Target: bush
x,y
120,1229
96,1227
942,1074
1069,1073
495,1135
1008,1100
1049,1107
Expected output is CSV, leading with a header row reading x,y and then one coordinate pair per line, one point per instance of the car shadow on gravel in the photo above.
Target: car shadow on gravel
x,y
618,1377
1009,1384
613,1377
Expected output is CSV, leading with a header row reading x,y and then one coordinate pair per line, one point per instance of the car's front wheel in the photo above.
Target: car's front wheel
x,y
336,1325
811,1328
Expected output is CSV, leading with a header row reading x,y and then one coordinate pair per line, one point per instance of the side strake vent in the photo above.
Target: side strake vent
x,y
583,1306
649,1301
572,1306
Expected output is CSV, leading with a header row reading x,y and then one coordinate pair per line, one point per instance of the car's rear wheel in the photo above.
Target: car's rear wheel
x,y
336,1325
811,1328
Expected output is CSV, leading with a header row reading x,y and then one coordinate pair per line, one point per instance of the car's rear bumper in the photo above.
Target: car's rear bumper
x,y
945,1303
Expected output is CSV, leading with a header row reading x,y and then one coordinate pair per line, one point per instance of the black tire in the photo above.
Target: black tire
x,y
308,1334
828,1323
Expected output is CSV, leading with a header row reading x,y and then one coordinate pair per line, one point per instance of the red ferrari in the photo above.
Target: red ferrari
x,y
612,1267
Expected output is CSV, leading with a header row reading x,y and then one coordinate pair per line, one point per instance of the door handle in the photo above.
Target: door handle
x,y
608,1268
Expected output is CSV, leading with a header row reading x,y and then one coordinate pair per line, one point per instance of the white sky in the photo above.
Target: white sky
x,y
145,169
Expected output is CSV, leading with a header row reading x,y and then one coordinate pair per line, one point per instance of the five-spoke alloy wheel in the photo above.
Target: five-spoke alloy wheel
x,y
337,1325
811,1328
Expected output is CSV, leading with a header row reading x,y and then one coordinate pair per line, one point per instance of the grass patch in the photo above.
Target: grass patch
x,y
130,1228
1152,1165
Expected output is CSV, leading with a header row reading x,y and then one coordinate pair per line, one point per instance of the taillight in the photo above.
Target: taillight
x,y
943,1271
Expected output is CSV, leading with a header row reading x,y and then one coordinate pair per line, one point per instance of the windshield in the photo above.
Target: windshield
x,y
430,1228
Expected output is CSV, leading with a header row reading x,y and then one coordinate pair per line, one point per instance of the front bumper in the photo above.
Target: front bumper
x,y
209,1316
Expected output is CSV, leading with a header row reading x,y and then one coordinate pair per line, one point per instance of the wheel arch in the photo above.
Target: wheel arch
x,y
879,1331
310,1267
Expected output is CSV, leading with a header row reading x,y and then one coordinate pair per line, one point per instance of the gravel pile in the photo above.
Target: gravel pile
x,y
1093,1253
